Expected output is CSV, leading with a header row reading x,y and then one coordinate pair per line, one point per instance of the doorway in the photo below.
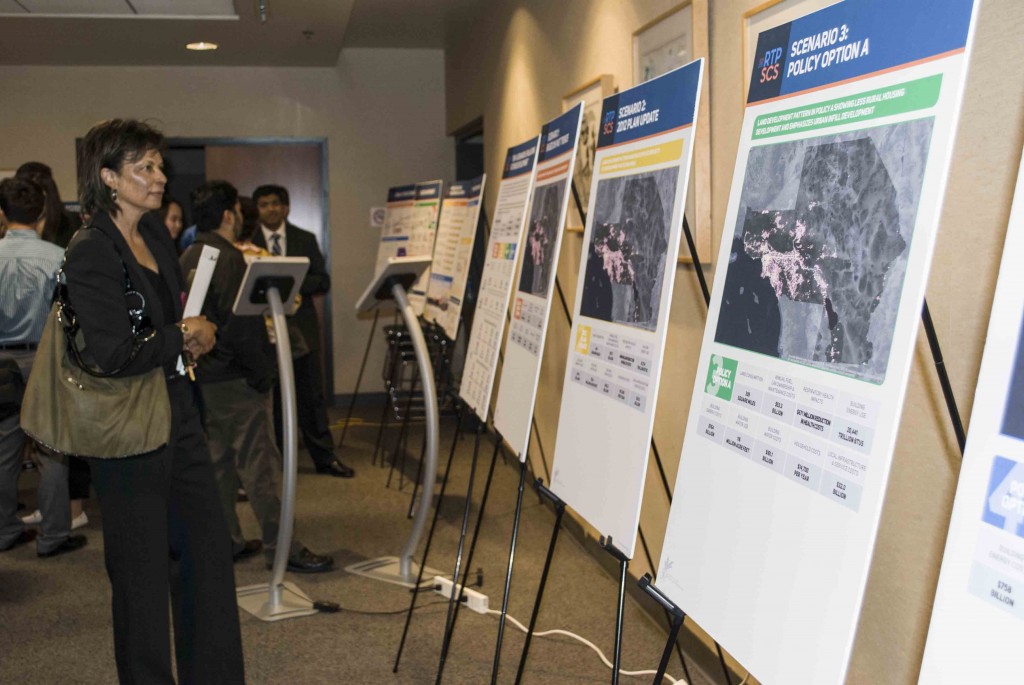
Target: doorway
x,y
298,164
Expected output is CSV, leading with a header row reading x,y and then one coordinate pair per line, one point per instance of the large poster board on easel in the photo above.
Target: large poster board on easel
x,y
422,231
453,249
535,279
623,298
496,281
978,609
840,173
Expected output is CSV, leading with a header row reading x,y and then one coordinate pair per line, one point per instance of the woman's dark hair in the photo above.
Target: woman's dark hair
x,y
21,200
250,218
165,206
110,145
210,201
42,175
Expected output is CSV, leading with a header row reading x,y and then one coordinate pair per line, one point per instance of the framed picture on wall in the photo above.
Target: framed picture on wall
x,y
766,16
592,93
671,40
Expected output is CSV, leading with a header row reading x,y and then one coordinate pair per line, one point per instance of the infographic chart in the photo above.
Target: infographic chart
x,y
620,320
840,173
422,222
395,233
453,249
535,279
496,281
982,577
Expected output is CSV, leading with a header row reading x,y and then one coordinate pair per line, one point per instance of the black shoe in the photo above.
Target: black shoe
x,y
308,562
336,469
250,548
26,536
72,543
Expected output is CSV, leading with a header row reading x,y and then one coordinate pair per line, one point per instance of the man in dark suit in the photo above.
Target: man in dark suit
x,y
282,238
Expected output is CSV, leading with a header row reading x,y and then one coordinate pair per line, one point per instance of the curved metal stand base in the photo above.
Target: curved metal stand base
x,y
389,569
259,600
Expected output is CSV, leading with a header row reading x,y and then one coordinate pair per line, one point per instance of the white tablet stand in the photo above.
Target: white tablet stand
x,y
391,283
268,284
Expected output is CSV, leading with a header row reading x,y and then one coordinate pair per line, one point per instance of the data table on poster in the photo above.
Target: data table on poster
x,y
453,249
496,280
807,432
841,167
535,279
422,221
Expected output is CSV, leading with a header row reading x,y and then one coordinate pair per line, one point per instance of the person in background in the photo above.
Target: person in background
x,y
60,223
166,542
173,217
280,237
236,380
28,269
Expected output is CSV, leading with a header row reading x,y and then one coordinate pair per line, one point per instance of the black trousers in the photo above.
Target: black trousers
x,y
164,532
311,411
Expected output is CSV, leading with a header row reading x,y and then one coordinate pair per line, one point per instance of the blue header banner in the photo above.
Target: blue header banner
x,y
519,159
429,190
662,104
465,189
558,136
852,39
401,193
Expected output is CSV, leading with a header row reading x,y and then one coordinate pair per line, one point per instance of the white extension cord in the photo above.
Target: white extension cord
x,y
586,642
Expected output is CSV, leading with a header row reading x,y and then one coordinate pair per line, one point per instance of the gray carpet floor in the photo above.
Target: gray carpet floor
x,y
55,613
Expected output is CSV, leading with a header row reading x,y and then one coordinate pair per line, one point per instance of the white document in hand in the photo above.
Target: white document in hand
x,y
200,286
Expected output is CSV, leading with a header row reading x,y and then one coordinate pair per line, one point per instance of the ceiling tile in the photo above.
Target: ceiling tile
x,y
195,8
77,6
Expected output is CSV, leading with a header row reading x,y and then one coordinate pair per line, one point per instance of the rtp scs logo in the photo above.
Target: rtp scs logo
x,y
609,123
770,65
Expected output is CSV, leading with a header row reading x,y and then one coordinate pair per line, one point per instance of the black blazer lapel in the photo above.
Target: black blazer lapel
x,y
139,281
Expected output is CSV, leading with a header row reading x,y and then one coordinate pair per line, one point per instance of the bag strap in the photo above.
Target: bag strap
x,y
142,328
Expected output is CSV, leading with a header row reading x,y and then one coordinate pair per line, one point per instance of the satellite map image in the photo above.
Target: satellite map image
x,y
820,248
625,267
540,239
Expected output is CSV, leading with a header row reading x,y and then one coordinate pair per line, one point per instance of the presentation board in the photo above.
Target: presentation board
x,y
422,231
395,233
978,609
623,299
496,281
535,279
453,250
840,173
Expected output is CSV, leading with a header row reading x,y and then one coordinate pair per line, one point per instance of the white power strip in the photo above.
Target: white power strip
x,y
477,601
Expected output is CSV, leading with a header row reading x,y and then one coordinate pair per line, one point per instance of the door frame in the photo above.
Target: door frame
x,y
204,141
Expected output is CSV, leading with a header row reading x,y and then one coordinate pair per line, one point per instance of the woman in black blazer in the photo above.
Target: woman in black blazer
x,y
163,528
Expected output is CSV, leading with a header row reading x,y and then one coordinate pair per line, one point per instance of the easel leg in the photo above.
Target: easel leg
x,y
430,537
359,379
559,512
469,557
458,556
624,564
673,635
508,572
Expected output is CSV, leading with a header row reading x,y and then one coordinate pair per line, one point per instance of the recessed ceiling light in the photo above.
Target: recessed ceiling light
x,y
202,45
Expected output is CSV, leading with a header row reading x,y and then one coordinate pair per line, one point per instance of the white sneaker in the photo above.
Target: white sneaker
x,y
79,521
33,519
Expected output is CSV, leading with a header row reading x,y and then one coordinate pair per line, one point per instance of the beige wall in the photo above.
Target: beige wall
x,y
513,70
381,111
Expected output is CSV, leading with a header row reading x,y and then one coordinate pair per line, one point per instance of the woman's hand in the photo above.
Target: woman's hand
x,y
199,335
